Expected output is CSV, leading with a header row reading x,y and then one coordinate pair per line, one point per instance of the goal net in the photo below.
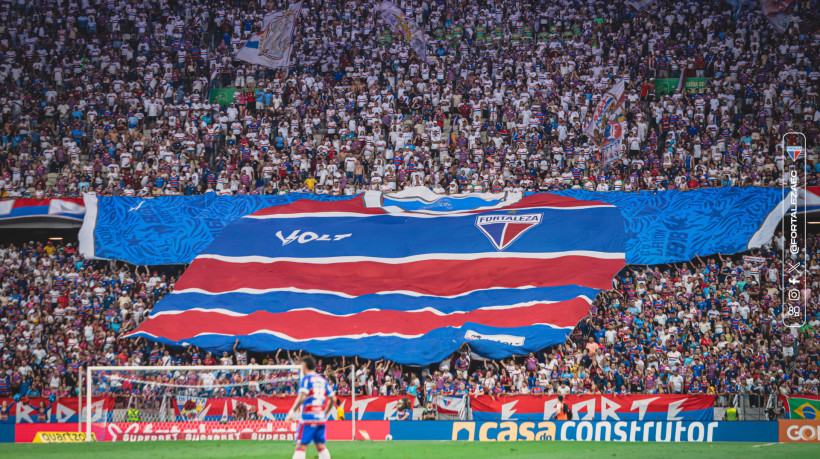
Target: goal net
x,y
142,403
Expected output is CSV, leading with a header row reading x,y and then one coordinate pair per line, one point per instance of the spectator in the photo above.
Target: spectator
x,y
429,413
404,410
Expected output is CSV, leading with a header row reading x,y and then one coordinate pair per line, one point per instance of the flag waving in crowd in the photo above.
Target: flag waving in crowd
x,y
640,5
339,278
607,126
273,45
405,27
780,13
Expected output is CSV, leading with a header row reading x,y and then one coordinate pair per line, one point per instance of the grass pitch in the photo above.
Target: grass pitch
x,y
411,450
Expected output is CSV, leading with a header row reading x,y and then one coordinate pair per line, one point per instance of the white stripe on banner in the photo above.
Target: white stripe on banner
x,y
414,258
259,291
86,234
311,214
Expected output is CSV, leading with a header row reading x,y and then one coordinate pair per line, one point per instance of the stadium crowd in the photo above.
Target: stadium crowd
x,y
113,97
715,326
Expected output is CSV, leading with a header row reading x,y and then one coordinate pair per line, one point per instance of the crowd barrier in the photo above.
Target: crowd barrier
x,y
621,431
67,409
199,431
637,418
637,407
7,433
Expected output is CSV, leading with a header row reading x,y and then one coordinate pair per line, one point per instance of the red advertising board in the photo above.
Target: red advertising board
x,y
24,433
596,407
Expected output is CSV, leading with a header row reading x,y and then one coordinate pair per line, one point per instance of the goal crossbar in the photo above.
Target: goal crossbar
x,y
91,370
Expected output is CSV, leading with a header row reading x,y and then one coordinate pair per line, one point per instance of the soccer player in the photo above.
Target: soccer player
x,y
316,399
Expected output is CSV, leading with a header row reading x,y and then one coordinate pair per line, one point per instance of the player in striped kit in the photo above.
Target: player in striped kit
x,y
316,399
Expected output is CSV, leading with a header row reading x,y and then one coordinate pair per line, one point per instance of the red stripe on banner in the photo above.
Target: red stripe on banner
x,y
303,325
429,277
31,202
552,200
309,206
356,205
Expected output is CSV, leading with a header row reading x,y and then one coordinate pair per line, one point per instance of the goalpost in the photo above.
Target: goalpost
x,y
231,402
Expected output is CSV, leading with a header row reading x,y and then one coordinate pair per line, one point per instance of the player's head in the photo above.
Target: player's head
x,y
308,364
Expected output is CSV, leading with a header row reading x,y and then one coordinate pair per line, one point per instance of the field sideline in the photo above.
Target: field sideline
x,y
411,450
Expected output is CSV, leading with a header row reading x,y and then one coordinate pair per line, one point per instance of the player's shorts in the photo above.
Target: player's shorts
x,y
308,433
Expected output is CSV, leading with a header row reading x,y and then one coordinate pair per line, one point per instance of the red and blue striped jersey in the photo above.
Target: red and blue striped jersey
x,y
317,390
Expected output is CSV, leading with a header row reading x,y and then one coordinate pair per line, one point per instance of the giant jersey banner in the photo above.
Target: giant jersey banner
x,y
661,227
344,279
595,407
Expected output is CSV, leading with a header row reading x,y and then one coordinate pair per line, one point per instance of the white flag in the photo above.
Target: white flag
x,y
609,109
640,4
272,46
405,27
419,44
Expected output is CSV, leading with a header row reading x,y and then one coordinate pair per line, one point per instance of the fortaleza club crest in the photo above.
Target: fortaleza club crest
x,y
503,230
795,152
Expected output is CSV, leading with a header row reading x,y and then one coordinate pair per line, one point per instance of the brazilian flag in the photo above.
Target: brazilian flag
x,y
804,408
